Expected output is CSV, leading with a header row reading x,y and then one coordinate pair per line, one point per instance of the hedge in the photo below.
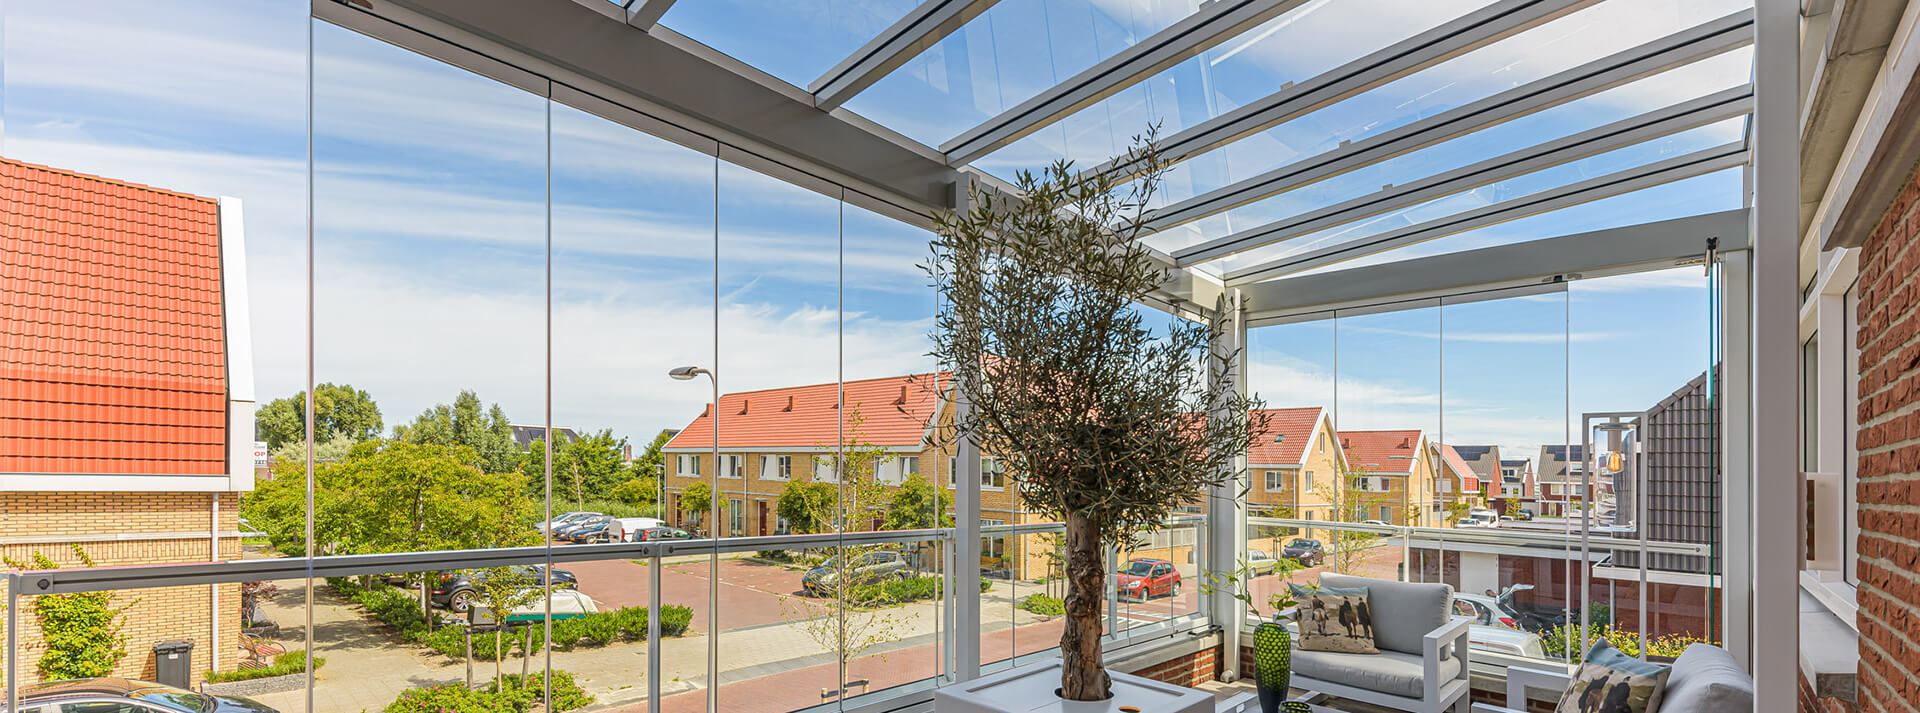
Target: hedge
x,y
508,696
284,664
1555,641
1043,605
591,631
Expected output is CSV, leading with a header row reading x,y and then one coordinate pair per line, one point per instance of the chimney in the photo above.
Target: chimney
x,y
789,403
1346,442
705,410
903,395
744,403
1406,443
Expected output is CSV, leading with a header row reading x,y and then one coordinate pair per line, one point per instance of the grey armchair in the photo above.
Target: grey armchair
x,y
1422,664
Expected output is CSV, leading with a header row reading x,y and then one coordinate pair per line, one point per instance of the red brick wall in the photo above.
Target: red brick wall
x,y
1190,670
1889,467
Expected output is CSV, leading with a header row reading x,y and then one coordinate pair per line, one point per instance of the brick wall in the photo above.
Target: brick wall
x,y
146,528
1889,466
1188,670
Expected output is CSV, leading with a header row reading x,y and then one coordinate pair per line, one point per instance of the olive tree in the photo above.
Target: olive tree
x,y
1110,422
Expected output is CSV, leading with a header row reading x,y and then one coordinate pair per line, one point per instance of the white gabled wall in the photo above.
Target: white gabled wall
x,y
239,345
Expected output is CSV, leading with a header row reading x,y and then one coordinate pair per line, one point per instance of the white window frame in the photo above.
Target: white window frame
x,y
736,516
909,465
887,471
733,465
1269,481
687,465
993,473
774,467
824,471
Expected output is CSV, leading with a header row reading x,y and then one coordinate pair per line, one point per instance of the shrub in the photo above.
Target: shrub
x,y
81,631
509,696
985,585
591,630
603,629
395,608
1555,641
675,619
567,695
291,662
633,623
1043,605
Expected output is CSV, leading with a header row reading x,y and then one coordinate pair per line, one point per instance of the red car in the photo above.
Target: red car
x,y
1143,578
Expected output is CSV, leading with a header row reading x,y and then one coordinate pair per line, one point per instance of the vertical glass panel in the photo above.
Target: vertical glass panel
x,y
1504,401
633,239
779,372
1295,472
1389,382
162,144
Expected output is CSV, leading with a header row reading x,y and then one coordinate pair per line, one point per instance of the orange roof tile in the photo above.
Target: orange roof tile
x,y
112,348
1290,430
897,410
1382,452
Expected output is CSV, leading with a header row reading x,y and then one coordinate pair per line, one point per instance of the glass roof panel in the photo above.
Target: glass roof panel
x,y
1621,102
1011,52
1318,36
1699,195
796,41
1637,155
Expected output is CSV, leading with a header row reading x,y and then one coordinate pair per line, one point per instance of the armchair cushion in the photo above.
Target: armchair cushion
x,y
1613,682
1403,612
1388,672
1333,619
1706,679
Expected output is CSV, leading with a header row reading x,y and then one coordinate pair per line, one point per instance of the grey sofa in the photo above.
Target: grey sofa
x,y
1705,679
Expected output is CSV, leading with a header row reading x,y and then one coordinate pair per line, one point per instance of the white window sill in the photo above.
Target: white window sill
x,y
1833,593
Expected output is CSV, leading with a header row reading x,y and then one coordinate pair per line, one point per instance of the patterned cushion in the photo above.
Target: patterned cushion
x,y
1333,619
1609,681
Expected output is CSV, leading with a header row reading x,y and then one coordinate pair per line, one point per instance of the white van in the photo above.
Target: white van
x,y
627,529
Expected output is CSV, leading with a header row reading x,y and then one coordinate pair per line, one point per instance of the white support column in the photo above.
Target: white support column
x,y
965,566
1226,506
1777,492
1736,456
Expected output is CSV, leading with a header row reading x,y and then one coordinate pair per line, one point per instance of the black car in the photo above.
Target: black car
x,y
566,531
459,590
121,695
1307,552
597,531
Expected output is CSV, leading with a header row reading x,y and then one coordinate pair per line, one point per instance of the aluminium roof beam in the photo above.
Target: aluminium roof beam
x,y
1691,45
1549,260
1689,165
1442,42
644,14
1215,22
924,27
1666,121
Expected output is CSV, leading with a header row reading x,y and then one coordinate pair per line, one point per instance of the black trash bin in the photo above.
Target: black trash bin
x,y
173,663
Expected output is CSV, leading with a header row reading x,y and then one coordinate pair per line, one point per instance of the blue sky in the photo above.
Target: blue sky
x,y
432,225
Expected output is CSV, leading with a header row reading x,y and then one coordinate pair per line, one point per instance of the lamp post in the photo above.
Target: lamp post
x,y
685,373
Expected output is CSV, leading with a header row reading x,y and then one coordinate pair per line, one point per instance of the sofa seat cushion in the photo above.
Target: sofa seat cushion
x,y
1403,612
1388,672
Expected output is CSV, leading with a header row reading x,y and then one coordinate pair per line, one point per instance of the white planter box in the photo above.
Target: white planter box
x,y
1029,689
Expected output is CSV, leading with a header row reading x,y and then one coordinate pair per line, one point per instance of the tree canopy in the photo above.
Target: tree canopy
x,y
808,506
487,434
339,411
584,468
916,504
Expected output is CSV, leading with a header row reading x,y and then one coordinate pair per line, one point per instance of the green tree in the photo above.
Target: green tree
x,y
916,504
1040,324
504,589
808,506
652,463
697,499
329,451
488,434
82,631
339,411
638,492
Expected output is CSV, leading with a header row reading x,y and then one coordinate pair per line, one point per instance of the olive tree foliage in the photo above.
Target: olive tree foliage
x,y
1108,420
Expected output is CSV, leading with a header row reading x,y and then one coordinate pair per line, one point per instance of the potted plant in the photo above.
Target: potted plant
x,y
1109,422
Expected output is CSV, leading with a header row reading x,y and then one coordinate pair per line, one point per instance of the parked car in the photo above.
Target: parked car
x,y
566,531
1506,641
564,519
868,568
1259,562
1494,611
1145,578
661,533
627,529
459,590
601,530
1536,618
123,695
1309,553
1475,521
566,603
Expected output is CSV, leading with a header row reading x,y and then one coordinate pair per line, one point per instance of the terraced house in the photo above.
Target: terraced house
x,y
126,394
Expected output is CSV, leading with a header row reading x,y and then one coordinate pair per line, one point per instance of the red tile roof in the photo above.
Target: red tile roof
x,y
1459,465
1381,452
112,357
897,410
1295,428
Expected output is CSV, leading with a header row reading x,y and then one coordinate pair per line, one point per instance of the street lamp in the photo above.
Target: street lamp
x,y
686,373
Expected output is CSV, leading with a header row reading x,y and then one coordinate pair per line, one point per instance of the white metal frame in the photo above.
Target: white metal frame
x,y
1436,694
921,28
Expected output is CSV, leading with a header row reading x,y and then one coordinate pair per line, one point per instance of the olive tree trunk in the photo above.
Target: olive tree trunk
x,y
1082,678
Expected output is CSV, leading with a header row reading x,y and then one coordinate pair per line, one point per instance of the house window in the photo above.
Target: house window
x,y
736,516
993,473
775,467
733,466
688,466
1276,481
953,471
782,527
786,467
909,465
993,552
1386,513
887,471
823,470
